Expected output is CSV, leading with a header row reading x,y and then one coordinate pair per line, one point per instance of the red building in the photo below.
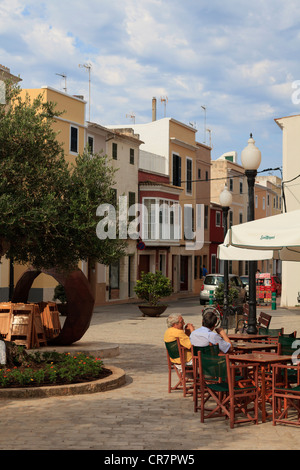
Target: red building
x,y
216,237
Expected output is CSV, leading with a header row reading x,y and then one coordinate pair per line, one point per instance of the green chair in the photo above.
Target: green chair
x,y
220,383
183,372
286,398
208,350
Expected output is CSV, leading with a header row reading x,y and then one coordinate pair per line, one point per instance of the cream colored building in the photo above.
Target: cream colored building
x,y
115,283
290,126
171,146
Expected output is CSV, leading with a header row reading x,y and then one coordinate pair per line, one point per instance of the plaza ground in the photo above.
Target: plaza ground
x,y
141,415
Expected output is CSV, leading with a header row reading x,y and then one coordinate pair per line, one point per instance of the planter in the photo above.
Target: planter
x,y
152,311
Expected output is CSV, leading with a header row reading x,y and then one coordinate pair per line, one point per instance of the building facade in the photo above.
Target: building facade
x,y
290,127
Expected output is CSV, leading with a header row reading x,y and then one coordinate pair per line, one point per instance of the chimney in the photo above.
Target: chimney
x,y
153,109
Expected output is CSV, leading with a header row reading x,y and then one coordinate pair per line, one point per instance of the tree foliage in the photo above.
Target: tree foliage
x,y
47,208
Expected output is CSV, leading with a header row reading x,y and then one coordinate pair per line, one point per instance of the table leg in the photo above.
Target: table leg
x,y
263,393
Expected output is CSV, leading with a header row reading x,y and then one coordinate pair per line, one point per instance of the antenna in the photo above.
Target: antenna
x,y
204,108
65,77
209,131
131,116
165,100
88,67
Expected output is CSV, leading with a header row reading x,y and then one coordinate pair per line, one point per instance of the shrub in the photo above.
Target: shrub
x,y
152,287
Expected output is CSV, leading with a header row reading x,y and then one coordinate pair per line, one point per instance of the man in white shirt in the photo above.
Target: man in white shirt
x,y
205,336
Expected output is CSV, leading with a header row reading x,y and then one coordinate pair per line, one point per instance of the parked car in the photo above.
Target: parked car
x,y
245,281
211,281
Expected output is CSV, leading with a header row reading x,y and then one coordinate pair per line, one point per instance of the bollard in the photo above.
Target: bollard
x,y
211,297
274,300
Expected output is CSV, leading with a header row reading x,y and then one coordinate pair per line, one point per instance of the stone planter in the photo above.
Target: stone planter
x,y
152,311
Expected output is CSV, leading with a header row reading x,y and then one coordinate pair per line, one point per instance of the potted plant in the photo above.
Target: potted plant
x,y
59,294
151,288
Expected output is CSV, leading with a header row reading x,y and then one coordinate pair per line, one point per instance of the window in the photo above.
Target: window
x,y
213,263
218,219
189,178
240,217
205,216
264,203
161,219
230,184
74,139
256,202
176,170
131,202
90,144
199,174
114,151
241,186
131,158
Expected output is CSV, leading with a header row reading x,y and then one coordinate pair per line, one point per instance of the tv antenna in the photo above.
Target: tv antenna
x,y
164,99
65,77
131,116
88,67
204,109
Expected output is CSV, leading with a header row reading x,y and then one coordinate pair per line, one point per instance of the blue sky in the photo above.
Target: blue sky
x,y
239,59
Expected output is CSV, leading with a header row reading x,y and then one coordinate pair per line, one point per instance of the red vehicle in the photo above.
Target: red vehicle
x,y
276,284
266,284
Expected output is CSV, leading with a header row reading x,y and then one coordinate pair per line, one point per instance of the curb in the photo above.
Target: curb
x,y
115,380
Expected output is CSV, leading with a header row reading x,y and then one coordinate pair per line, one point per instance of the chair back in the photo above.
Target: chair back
x,y
289,335
273,332
213,367
172,348
264,320
286,345
212,350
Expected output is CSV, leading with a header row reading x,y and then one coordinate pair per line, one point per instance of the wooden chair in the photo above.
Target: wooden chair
x,y
184,373
233,396
286,399
5,319
211,350
264,320
273,333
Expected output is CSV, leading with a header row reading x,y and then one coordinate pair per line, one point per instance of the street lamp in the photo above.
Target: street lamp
x,y
225,201
251,158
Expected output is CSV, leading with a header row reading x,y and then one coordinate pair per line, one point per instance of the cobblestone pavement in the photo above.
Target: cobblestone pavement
x,y
141,415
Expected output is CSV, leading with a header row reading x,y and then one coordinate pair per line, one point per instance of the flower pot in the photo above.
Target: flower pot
x,y
152,311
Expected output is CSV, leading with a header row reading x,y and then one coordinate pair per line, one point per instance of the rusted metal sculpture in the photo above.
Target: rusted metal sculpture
x,y
80,301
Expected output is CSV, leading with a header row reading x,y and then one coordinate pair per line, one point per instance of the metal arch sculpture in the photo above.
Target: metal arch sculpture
x,y
80,301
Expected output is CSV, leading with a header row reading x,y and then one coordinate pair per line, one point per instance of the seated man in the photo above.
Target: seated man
x,y
175,324
205,336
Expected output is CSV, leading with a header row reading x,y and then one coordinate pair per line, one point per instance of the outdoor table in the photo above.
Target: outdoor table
x,y
264,360
246,337
250,346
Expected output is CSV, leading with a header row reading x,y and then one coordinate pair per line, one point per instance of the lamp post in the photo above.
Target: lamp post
x,y
251,158
225,201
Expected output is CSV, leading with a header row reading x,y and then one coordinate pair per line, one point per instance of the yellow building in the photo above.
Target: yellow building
x,y
71,132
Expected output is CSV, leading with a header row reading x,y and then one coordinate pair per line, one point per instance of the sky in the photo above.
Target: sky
x,y
232,67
